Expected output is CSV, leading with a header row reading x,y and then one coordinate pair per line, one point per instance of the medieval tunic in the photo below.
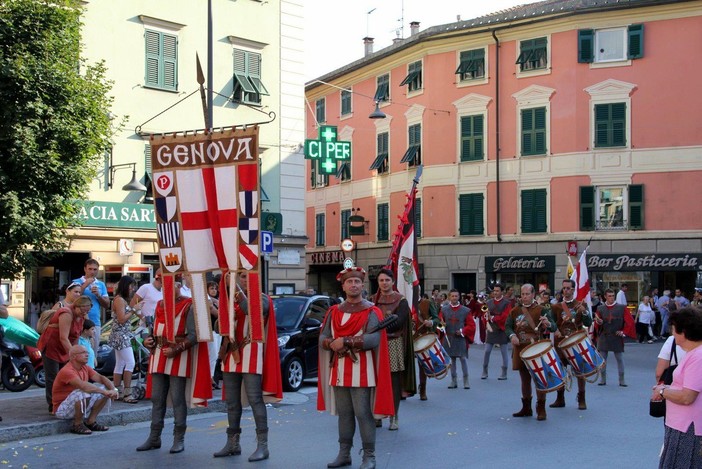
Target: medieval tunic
x,y
498,312
519,325
395,304
570,318
179,365
612,322
457,318
249,358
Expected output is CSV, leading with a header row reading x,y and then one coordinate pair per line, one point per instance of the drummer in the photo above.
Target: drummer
x,y
570,316
426,321
525,325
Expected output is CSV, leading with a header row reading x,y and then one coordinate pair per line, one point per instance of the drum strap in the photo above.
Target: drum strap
x,y
528,318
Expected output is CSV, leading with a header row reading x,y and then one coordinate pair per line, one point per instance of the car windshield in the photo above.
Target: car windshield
x,y
288,311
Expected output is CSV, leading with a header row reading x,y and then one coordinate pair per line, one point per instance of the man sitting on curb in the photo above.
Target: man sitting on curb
x,y
74,397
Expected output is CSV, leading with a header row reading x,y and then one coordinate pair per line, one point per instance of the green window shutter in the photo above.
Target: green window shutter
x,y
534,131
170,62
636,207
382,222
345,102
345,215
618,124
382,91
587,208
470,214
540,130
319,241
636,41
610,125
147,159
534,211
472,138
586,45
153,57
418,217
320,111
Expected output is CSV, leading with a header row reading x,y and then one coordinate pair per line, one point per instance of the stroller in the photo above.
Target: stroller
x,y
141,359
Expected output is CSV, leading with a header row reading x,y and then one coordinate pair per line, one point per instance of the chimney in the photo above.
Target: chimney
x,y
414,28
367,46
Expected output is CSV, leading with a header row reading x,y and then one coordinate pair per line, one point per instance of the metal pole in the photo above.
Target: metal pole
x,y
210,66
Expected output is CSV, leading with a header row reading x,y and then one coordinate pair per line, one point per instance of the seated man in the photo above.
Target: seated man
x,y
75,397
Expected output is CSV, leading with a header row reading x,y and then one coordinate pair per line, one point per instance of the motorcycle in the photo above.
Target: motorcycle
x,y
17,372
34,355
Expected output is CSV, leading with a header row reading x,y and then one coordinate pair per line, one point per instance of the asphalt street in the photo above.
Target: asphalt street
x,y
455,428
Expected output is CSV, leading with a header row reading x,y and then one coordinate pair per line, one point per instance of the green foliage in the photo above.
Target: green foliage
x,y
54,128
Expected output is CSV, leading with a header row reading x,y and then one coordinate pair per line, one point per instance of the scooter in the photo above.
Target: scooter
x,y
17,371
35,357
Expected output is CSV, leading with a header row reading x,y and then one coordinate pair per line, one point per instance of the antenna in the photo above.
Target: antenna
x,y
367,21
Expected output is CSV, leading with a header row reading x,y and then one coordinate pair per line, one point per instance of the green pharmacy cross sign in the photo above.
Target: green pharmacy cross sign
x,y
327,149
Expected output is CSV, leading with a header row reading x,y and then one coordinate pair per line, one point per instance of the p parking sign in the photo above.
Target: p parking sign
x,y
267,242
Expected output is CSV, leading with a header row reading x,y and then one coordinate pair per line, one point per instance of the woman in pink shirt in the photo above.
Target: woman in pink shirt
x,y
682,445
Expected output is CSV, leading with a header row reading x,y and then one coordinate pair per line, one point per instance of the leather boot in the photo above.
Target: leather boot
x,y
378,423
581,401
422,392
344,456
526,408
453,384
154,439
603,377
622,383
261,452
232,446
466,383
503,376
394,423
560,399
541,409
485,373
178,439
368,457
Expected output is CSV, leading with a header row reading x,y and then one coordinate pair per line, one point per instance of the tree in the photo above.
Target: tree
x,y
54,129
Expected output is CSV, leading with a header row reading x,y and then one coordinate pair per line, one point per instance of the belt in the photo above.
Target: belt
x,y
163,342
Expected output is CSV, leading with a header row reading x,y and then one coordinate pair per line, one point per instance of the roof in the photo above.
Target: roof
x,y
500,19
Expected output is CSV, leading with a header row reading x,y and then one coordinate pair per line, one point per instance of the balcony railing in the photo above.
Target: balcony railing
x,y
611,225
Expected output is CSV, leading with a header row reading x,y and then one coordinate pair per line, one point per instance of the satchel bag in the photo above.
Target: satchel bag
x,y
45,319
657,408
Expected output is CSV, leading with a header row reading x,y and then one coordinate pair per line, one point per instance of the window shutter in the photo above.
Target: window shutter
x,y
147,159
418,217
587,208
534,211
540,210
170,62
636,41
527,207
618,124
382,222
477,225
313,173
470,214
586,45
636,207
153,54
540,130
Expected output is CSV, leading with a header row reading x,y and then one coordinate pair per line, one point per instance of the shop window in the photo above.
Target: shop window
x,y
611,208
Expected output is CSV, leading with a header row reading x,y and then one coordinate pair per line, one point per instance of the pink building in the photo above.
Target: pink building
x,y
552,122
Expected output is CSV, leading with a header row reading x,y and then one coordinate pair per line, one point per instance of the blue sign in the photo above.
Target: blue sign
x,y
267,242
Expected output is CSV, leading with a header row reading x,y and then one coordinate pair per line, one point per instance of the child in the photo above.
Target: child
x,y
85,340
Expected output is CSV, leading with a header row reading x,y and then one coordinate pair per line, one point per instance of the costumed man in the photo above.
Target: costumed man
x,y
611,322
460,331
399,334
357,384
426,322
251,370
571,316
525,325
179,366
498,308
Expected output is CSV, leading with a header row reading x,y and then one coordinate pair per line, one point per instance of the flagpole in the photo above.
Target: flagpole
x,y
415,181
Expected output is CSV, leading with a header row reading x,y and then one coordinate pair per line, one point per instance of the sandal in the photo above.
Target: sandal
x,y
81,429
96,427
129,400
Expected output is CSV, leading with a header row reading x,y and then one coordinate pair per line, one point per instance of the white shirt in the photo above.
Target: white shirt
x,y
646,314
151,297
621,298
666,351
186,292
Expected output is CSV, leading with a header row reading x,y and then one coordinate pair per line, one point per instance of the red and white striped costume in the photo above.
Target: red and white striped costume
x,y
344,371
250,354
180,365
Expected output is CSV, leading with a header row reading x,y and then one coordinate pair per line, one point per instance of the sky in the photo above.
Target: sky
x,y
334,29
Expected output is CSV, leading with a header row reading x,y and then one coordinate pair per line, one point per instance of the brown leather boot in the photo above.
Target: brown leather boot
x,y
541,409
526,409
581,401
422,392
560,399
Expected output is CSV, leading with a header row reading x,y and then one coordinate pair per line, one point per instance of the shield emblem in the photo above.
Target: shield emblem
x,y
248,229
172,259
163,182
165,207
248,203
169,233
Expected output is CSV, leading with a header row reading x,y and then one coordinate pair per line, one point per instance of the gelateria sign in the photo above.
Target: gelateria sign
x,y
520,264
638,262
117,215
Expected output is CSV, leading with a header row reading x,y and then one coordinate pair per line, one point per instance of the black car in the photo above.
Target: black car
x,y
299,319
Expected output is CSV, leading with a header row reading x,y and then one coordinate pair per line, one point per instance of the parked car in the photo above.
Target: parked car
x,y
299,320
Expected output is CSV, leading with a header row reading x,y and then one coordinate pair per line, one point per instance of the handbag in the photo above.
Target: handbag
x,y
657,408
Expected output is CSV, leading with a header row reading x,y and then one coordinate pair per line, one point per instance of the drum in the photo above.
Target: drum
x,y
542,362
581,354
432,356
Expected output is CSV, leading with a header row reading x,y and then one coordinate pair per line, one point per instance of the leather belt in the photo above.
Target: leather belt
x,y
163,342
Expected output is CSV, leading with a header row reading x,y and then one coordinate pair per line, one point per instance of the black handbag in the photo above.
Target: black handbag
x,y
657,408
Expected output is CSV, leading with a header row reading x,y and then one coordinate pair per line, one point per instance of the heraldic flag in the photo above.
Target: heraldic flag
x,y
207,204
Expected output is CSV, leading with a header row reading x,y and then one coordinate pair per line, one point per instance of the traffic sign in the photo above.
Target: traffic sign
x,y
267,242
347,245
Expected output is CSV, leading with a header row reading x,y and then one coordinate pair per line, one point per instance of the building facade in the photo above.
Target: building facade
x,y
149,50
542,125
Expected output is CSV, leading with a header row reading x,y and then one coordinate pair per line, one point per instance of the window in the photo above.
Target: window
x,y
161,60
472,138
418,217
318,178
382,90
534,131
147,159
611,208
610,45
472,65
345,102
533,54
383,220
345,215
248,87
413,155
470,214
321,113
319,229
381,160
344,171
610,125
534,211
413,80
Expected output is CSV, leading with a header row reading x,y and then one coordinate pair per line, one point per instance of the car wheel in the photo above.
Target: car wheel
x,y
293,375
